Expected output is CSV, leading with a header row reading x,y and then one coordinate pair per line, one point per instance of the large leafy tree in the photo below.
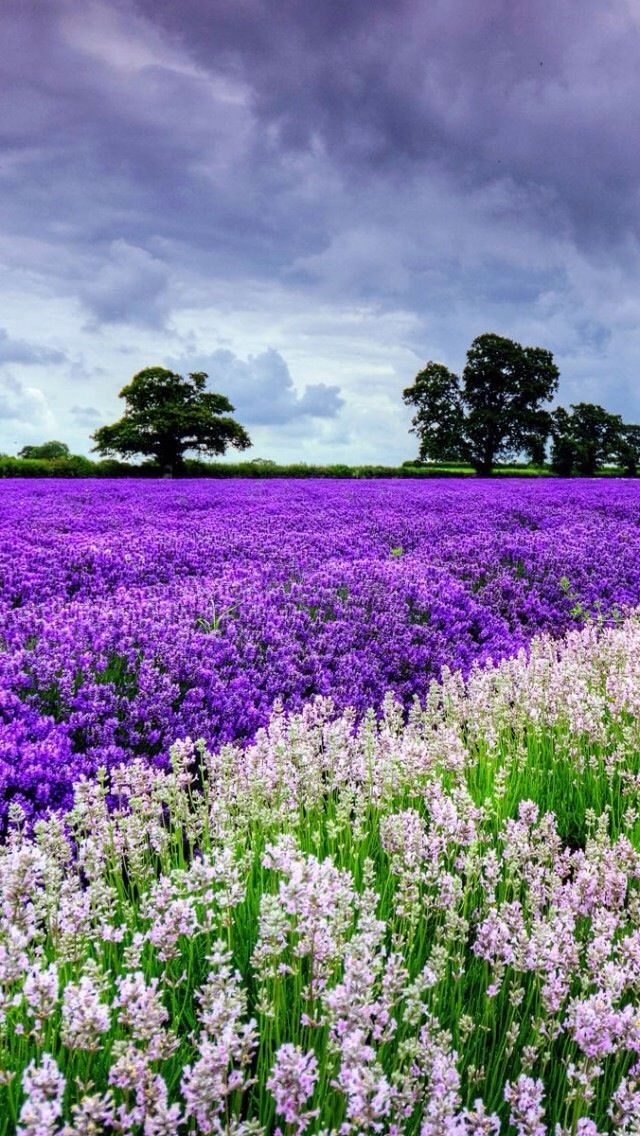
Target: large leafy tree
x,y
587,439
166,416
504,386
439,417
495,411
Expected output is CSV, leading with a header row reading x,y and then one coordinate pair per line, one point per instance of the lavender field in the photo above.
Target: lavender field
x,y
321,809
136,614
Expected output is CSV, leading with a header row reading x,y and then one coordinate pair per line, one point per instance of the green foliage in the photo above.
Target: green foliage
x,y
48,451
75,465
79,466
212,624
167,415
562,449
111,467
589,438
627,450
504,385
16,467
439,420
495,412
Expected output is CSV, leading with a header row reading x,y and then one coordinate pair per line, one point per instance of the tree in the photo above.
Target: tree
x,y
47,451
495,412
535,447
439,417
563,452
584,440
504,385
166,415
627,453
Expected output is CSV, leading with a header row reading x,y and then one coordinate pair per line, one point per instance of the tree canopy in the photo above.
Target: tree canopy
x,y
439,419
588,438
166,416
627,450
495,411
46,451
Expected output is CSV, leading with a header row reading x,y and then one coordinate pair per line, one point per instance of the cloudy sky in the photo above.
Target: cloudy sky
x,y
309,199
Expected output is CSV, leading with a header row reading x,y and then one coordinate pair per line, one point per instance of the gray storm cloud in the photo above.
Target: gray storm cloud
x,y
129,286
356,96
88,416
537,93
31,354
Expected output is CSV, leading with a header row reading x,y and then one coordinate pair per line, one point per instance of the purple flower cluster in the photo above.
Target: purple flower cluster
x,y
136,613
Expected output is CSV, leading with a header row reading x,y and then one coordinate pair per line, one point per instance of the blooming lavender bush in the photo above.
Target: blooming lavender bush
x,y
428,927
133,614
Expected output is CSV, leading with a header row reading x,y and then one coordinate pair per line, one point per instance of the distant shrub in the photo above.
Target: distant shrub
x,y
15,467
76,465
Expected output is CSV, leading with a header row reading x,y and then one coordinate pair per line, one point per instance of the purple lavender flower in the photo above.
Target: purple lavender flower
x,y
136,613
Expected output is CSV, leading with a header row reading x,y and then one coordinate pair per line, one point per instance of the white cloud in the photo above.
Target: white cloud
x,y
24,414
261,388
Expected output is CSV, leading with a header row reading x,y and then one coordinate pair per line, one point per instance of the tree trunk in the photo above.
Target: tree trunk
x,y
170,459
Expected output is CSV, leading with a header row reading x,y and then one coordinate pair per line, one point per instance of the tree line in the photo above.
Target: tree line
x,y
495,412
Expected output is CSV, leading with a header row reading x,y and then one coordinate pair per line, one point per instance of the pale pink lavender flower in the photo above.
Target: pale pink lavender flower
x,y
146,1099
405,840
214,882
624,1109
274,927
170,915
85,1017
143,1014
40,992
493,940
369,1094
43,1086
442,1110
553,952
226,1045
213,1078
596,1025
371,981
129,1069
292,1082
586,1127
525,1097
318,900
478,1122
92,1115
